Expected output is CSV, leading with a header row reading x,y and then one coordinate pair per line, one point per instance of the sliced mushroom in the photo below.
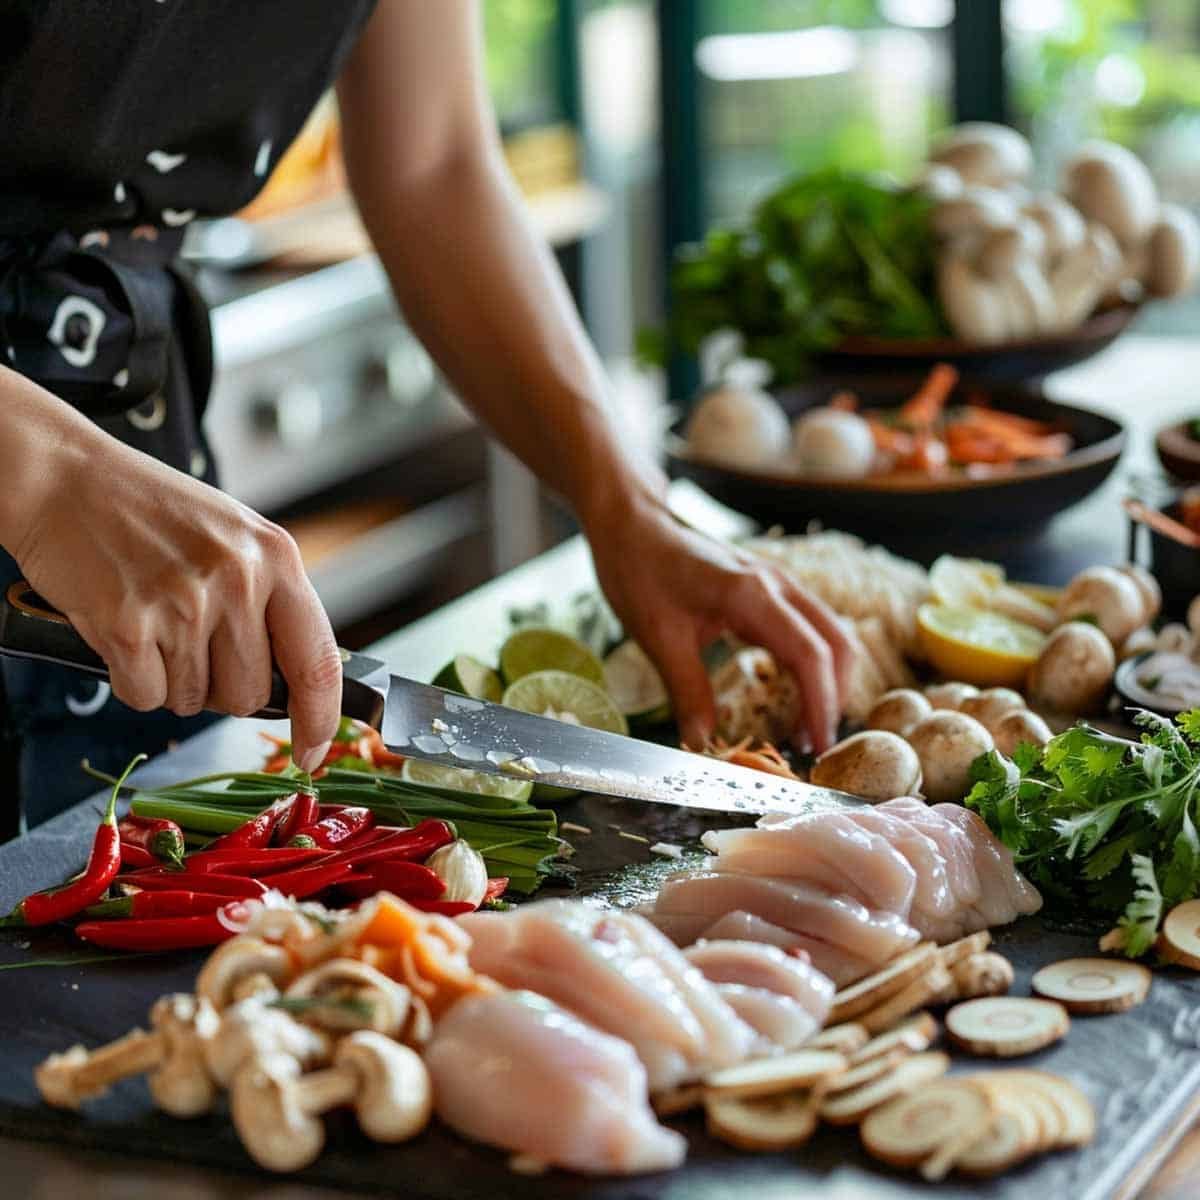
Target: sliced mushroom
x,y
173,1054
237,960
346,994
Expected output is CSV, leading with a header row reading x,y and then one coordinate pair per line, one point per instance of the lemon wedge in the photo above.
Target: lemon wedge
x,y
976,646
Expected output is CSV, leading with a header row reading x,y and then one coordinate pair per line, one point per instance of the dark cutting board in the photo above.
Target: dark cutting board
x,y
1141,1069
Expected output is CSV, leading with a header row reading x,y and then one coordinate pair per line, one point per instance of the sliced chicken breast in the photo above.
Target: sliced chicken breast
x,y
954,844
513,1070
1006,893
781,1023
830,851
756,965
933,897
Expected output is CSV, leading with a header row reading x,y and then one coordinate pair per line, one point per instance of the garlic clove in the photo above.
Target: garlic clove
x,y
462,869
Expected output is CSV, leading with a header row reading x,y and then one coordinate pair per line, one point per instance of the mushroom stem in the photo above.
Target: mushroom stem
x,y
67,1079
331,1088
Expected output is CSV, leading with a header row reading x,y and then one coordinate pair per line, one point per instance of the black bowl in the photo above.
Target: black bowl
x,y
1179,451
1009,362
1174,565
912,511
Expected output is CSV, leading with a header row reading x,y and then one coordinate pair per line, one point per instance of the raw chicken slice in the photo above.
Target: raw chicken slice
x,y
837,920
617,971
755,965
513,1070
746,927
829,851
955,845
682,928
1005,889
783,1023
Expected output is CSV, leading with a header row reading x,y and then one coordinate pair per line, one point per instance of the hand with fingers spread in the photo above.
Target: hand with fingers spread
x,y
677,591
187,595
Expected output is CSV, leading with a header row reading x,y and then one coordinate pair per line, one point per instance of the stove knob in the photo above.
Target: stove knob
x,y
292,413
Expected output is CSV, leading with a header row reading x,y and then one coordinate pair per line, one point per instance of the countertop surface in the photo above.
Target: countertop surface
x,y
1143,381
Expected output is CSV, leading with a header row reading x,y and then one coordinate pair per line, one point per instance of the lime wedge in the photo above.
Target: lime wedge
x,y
530,650
470,677
565,697
635,685
454,781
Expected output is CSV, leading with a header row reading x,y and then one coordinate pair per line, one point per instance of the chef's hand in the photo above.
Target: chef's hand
x,y
186,594
676,591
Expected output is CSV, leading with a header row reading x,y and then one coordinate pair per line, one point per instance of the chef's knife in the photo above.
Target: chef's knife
x,y
427,722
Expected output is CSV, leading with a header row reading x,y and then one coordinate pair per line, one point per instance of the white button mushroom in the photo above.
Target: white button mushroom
x,y
1174,638
986,153
1193,616
1019,727
898,711
939,181
992,705
947,743
1063,228
873,764
1106,596
1083,276
1147,585
1074,671
830,443
976,211
1172,253
1109,184
950,695
741,426
1140,641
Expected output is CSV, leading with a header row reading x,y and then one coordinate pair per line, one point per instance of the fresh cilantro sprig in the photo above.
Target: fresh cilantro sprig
x,y
1103,825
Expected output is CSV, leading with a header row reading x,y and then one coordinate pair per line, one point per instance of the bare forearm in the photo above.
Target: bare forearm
x,y
487,298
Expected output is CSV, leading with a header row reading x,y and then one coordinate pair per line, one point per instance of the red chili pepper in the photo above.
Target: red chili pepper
x,y
409,845
249,862
136,856
327,810
446,908
301,811
161,837
407,880
157,904
335,831
155,933
496,888
255,833
44,908
241,887
306,881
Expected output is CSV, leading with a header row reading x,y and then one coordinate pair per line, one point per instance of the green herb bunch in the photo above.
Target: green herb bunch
x,y
823,257
1103,825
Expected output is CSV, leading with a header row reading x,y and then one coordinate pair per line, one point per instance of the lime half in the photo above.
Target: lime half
x,y
470,677
634,684
534,650
454,781
565,697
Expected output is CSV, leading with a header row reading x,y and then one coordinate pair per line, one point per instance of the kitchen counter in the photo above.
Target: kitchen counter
x,y
1144,381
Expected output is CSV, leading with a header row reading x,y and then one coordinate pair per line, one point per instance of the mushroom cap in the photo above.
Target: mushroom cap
x,y
1107,596
1018,727
237,959
874,764
1172,253
1002,249
940,181
991,705
1062,225
395,1096
376,1001
950,695
1074,670
947,743
828,442
738,425
898,711
1031,303
1110,184
269,1118
977,210
984,152
251,1029
1145,583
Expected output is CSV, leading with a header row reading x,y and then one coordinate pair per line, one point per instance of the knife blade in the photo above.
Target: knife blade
x,y
427,722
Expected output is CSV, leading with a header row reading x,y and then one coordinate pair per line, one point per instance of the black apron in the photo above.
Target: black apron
x,y
121,121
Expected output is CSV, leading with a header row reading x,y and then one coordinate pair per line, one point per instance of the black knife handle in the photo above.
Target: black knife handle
x,y
32,628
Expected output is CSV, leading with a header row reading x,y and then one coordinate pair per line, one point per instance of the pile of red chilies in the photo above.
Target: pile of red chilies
x,y
169,900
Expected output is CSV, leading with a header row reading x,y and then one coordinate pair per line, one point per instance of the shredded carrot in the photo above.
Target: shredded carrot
x,y
1018,442
764,757
888,439
928,455
1005,422
927,403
